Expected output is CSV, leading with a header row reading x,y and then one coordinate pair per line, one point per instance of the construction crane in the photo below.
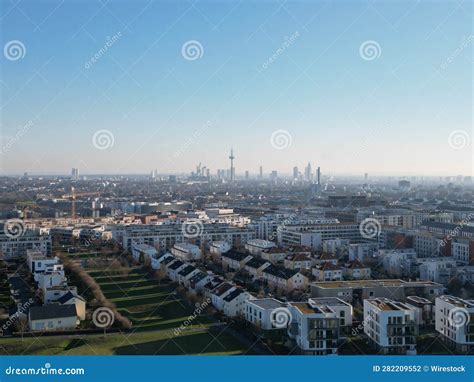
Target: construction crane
x,y
73,195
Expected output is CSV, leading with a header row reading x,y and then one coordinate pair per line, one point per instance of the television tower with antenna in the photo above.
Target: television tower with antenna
x,y
232,170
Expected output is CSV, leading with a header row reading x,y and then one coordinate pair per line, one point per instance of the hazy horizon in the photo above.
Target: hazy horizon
x,y
125,88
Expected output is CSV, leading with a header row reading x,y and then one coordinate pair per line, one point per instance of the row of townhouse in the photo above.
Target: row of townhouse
x,y
353,270
225,296
259,269
62,308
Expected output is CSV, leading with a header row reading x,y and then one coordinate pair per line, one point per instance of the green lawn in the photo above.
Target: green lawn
x,y
190,341
154,309
148,304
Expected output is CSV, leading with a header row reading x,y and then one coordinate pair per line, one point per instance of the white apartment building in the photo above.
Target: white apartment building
x,y
261,313
38,263
186,252
440,270
219,247
257,246
362,251
424,310
455,321
142,251
313,235
398,262
14,247
427,244
461,250
390,325
166,235
314,327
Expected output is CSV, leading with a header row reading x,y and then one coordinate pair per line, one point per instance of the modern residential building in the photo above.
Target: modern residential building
x,y
390,325
355,270
234,260
398,262
186,252
424,310
166,235
17,245
257,246
327,272
261,313
314,327
355,291
455,321
219,247
440,269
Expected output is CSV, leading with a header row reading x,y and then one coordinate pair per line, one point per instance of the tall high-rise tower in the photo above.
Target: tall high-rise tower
x,y
232,170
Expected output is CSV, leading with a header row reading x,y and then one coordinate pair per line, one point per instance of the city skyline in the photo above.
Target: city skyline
x,y
353,88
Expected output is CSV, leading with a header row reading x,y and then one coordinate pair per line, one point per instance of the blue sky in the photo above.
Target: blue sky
x,y
390,115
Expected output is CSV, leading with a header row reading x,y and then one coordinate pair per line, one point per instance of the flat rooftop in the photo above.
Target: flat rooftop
x,y
458,302
354,284
329,301
267,303
387,304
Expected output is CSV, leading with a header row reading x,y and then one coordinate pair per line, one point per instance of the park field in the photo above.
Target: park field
x,y
191,341
158,316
